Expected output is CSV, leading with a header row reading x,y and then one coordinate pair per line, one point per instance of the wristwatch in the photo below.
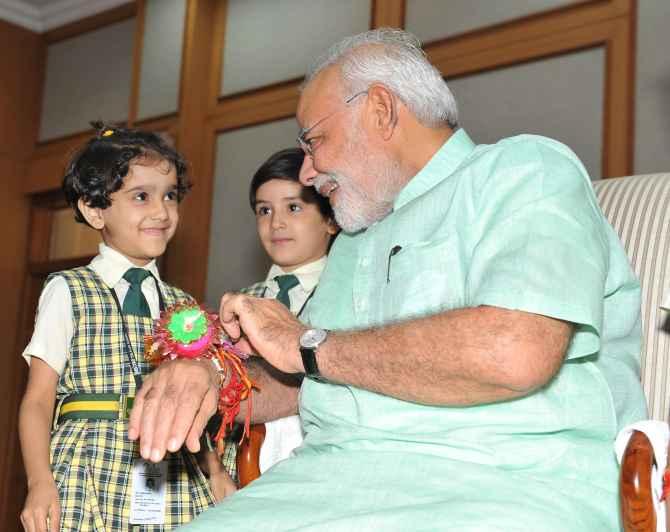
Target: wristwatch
x,y
310,341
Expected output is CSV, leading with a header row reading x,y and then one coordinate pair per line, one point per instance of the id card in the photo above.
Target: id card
x,y
147,496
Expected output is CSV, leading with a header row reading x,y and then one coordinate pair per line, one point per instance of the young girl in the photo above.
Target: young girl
x,y
295,226
86,354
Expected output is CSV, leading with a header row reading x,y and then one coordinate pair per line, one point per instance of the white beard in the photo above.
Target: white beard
x,y
354,207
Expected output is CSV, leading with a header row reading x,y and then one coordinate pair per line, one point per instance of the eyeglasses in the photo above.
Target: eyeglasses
x,y
307,144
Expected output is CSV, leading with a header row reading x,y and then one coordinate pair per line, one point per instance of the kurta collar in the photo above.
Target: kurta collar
x,y
449,157
111,265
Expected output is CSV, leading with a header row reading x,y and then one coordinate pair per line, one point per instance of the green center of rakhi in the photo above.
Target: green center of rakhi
x,y
187,325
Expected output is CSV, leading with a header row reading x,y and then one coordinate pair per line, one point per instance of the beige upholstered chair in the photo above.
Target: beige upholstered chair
x,y
639,209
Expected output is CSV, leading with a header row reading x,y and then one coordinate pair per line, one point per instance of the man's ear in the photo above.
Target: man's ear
x,y
92,215
384,109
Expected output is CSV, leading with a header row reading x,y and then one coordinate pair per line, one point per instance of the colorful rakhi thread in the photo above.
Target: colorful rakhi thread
x,y
188,330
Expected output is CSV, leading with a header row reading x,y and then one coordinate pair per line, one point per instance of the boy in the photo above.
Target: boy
x,y
295,226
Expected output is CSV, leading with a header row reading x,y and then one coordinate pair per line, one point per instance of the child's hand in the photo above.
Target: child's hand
x,y
221,485
41,504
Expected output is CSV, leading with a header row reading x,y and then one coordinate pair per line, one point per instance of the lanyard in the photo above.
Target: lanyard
x,y
130,352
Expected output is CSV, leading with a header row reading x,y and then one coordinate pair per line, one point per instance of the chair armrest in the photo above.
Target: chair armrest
x,y
248,455
635,493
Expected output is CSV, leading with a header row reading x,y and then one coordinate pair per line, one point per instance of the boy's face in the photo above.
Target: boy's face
x,y
292,231
143,215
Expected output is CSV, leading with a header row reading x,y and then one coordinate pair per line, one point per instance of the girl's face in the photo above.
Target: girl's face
x,y
143,215
293,232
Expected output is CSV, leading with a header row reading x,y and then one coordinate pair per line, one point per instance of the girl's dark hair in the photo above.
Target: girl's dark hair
x,y
98,169
285,164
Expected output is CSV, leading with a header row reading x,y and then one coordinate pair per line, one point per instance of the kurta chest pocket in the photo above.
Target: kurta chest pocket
x,y
424,278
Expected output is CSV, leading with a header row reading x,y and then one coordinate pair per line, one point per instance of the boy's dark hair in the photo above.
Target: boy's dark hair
x,y
98,169
285,164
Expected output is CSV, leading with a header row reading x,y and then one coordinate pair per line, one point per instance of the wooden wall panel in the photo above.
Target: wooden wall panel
x,y
592,23
565,31
21,64
185,262
14,209
94,22
45,167
388,13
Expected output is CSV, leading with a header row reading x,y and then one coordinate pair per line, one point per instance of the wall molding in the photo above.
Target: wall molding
x,y
22,14
57,13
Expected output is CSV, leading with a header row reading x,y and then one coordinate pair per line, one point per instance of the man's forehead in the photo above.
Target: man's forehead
x,y
321,92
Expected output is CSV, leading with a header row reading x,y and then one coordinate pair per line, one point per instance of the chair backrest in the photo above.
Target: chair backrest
x,y
638,207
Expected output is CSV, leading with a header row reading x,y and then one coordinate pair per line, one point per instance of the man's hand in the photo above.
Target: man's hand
x,y
270,329
173,407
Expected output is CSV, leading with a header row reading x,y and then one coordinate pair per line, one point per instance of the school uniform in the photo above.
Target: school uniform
x,y
81,333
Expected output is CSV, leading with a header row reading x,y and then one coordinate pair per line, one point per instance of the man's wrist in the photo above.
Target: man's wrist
x,y
310,343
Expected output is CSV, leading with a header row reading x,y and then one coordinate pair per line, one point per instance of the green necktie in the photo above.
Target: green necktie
x,y
135,303
285,282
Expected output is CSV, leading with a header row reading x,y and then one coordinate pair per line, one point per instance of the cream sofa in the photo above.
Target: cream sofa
x,y
638,207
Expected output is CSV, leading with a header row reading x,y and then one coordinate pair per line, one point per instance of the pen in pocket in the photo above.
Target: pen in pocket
x,y
395,249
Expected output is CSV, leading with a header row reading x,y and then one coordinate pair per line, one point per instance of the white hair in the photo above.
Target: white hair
x,y
395,59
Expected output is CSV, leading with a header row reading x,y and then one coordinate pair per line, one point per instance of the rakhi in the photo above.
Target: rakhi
x,y
187,330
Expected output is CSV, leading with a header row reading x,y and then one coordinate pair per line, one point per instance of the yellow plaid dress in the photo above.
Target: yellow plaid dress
x,y
91,459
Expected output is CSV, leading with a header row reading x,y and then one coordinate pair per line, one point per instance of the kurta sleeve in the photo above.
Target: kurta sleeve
x,y
541,246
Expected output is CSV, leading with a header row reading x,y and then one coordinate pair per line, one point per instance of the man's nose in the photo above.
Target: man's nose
x,y
307,171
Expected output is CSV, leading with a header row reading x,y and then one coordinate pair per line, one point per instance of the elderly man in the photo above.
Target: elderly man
x,y
473,346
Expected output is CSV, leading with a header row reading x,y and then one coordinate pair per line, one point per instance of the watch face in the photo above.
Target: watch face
x,y
311,338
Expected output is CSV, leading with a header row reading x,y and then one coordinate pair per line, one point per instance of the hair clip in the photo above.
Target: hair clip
x,y
107,133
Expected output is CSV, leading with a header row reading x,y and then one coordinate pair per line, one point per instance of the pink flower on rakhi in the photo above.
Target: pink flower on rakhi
x,y
185,330
190,331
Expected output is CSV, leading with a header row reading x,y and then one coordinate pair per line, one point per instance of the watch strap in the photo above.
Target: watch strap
x,y
309,362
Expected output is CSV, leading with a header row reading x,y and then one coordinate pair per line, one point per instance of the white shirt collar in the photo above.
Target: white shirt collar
x,y
307,274
111,265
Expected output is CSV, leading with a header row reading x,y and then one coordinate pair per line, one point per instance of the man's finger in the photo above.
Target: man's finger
x,y
228,315
244,346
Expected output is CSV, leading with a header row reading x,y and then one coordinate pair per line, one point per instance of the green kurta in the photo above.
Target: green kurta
x,y
513,225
